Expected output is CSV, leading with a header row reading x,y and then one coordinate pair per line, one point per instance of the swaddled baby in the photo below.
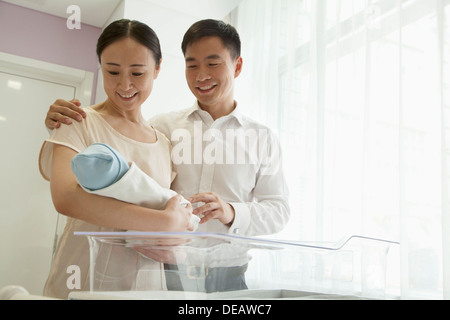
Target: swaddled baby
x,y
103,171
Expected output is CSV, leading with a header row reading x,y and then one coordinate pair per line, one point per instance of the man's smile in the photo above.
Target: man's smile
x,y
206,89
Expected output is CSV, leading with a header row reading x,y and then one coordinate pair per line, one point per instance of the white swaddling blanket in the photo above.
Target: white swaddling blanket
x,y
138,188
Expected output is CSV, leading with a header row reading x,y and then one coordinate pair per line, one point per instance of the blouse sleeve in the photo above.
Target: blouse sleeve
x,y
74,136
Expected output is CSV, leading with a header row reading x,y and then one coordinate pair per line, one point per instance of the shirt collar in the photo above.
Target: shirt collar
x,y
236,113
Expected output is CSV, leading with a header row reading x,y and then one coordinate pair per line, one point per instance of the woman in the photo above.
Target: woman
x,y
130,58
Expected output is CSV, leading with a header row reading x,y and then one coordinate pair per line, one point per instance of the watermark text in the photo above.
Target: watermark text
x,y
74,20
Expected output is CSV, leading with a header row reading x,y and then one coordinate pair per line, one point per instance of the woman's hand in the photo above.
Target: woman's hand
x,y
63,111
168,255
180,216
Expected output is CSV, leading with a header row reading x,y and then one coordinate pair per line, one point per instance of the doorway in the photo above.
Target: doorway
x,y
28,219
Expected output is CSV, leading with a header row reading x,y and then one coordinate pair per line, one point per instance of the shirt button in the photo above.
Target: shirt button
x,y
236,231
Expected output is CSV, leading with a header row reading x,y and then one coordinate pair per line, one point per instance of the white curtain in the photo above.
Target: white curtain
x,y
358,92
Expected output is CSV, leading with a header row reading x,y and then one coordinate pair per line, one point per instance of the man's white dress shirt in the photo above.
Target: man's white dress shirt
x,y
234,157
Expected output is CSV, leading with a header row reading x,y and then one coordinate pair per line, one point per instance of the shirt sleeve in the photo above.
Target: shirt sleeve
x,y
159,122
73,136
270,211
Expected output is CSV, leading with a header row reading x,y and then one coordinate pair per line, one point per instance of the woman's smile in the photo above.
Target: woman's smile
x,y
127,97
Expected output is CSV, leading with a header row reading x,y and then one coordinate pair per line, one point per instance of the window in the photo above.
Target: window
x,y
356,91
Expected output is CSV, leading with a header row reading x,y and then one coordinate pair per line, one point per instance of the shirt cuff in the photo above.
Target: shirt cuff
x,y
241,218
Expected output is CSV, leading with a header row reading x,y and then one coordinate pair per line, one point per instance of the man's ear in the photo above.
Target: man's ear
x,y
238,67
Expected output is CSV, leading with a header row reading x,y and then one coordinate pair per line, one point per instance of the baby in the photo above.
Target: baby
x,y
103,171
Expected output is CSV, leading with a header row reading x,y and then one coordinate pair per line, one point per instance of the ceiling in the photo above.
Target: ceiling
x,y
93,12
97,12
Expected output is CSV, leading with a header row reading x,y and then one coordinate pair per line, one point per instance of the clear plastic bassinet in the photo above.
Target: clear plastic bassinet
x,y
141,265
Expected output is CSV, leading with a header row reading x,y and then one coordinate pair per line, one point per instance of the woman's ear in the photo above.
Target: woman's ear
x,y
157,69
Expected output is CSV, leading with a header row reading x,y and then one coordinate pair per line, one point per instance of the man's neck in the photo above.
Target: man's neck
x,y
217,111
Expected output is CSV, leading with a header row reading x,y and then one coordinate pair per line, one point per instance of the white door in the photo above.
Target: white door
x,y
27,216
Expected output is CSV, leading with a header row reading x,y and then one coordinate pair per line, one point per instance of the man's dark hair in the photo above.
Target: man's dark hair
x,y
214,28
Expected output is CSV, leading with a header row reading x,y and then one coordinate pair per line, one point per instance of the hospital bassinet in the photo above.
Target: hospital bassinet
x,y
357,267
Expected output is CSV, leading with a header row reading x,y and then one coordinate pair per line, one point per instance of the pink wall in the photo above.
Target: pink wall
x,y
33,34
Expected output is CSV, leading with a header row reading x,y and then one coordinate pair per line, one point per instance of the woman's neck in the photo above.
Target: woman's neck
x,y
109,109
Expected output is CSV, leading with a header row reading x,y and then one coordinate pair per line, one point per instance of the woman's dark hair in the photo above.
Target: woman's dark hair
x,y
136,30
210,28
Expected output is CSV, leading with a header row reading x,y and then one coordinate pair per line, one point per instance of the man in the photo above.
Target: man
x,y
225,161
